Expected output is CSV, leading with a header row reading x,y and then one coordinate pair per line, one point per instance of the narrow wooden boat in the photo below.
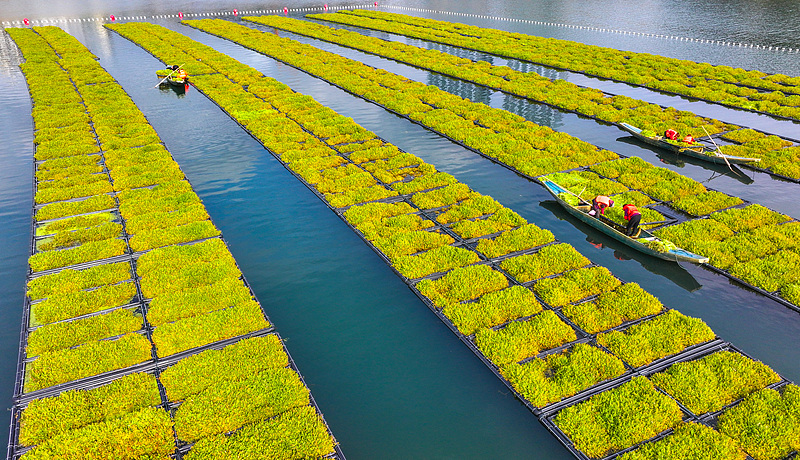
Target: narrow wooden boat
x,y
698,151
171,79
641,242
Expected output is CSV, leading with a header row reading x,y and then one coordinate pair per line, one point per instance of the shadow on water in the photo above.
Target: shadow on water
x,y
670,270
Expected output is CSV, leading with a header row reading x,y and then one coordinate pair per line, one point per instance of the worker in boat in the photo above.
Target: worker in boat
x,y
671,134
633,216
688,139
183,75
599,205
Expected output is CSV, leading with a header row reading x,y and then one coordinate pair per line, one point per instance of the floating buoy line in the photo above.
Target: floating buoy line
x,y
326,8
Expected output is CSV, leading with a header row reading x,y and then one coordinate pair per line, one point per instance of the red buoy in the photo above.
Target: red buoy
x,y
285,10
376,3
326,7
27,23
235,12
180,14
113,18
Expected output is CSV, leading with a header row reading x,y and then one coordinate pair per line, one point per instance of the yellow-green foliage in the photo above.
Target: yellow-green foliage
x,y
547,380
64,306
235,362
492,309
436,260
656,338
547,261
610,309
766,424
714,381
146,433
575,285
49,417
58,336
462,284
619,418
296,433
523,339
90,359
258,397
689,441
526,237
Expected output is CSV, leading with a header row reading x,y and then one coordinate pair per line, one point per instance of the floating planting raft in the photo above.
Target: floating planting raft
x,y
752,90
558,330
779,157
527,148
140,335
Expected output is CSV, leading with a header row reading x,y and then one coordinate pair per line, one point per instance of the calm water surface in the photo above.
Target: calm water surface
x,y
392,381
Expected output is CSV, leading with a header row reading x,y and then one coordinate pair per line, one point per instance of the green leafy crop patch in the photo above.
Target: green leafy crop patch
x,y
71,208
227,405
492,309
65,306
361,214
146,433
656,338
49,417
297,433
526,237
462,284
412,242
87,360
543,381
178,336
247,357
74,223
547,261
425,182
617,419
173,306
627,302
706,203
689,441
772,272
87,252
575,285
159,237
58,336
523,339
469,209
436,260
72,281
766,424
444,196
502,220
749,217
75,237
714,381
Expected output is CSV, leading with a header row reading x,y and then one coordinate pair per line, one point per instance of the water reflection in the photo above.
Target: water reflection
x,y
537,113
670,270
461,88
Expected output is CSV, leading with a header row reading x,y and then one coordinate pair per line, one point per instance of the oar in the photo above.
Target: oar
x,y
165,78
578,196
718,151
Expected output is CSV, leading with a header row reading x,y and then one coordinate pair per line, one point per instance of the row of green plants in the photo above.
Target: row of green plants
x,y
559,93
80,331
752,243
750,90
506,320
530,148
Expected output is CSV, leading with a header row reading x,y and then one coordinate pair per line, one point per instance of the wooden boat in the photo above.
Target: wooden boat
x,y
701,152
617,231
171,79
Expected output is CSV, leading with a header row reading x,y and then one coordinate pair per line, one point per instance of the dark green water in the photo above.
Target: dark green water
x,y
391,379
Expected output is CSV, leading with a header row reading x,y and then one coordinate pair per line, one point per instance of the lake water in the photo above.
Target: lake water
x,y
391,379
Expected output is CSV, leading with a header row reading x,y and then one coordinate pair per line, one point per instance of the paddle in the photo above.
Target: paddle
x,y
165,78
717,152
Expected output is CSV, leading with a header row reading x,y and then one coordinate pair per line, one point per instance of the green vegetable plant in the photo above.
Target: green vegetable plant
x,y
656,338
461,284
526,237
58,336
547,261
47,418
543,381
625,303
617,419
714,381
259,396
766,424
575,285
523,339
436,260
689,441
492,309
